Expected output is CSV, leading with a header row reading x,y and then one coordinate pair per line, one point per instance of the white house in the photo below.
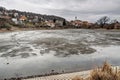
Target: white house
x,y
59,23
50,23
15,20
16,14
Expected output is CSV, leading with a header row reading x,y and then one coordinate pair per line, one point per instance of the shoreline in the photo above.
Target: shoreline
x,y
34,29
68,76
63,76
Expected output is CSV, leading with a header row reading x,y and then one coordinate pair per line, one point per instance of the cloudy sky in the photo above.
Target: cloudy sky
x,y
90,10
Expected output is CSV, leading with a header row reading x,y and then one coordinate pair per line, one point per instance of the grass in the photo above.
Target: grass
x,y
106,72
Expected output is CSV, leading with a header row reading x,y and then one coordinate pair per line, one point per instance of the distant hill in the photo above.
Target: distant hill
x,y
46,17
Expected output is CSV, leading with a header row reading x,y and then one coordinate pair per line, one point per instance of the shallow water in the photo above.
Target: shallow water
x,y
39,52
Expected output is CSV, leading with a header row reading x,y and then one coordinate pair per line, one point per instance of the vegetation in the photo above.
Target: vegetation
x,y
104,73
30,25
7,26
103,21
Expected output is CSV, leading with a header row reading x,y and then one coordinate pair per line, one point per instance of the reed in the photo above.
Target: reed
x,y
106,72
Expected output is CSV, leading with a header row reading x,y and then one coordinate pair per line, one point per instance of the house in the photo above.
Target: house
x,y
35,20
16,14
85,24
117,25
23,18
30,18
10,13
76,23
15,20
50,23
81,24
6,13
58,23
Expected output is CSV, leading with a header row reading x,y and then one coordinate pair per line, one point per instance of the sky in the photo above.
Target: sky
x,y
88,10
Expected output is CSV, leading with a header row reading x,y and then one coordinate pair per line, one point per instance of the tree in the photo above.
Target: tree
x,y
114,21
103,21
54,20
7,26
64,22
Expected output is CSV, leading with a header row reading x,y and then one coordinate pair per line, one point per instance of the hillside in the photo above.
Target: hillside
x,y
46,17
14,19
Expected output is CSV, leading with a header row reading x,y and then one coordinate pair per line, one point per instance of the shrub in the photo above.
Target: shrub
x,y
7,26
104,73
30,25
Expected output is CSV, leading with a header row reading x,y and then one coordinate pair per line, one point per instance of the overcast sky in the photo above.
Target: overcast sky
x,y
90,10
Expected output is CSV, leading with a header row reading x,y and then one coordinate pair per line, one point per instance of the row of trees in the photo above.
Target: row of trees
x,y
102,22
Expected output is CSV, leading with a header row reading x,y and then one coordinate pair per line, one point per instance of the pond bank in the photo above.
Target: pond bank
x,y
68,76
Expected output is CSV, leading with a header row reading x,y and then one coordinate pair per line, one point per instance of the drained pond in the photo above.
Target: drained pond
x,y
40,52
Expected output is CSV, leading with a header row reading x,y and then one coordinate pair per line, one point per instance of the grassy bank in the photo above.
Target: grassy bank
x,y
104,73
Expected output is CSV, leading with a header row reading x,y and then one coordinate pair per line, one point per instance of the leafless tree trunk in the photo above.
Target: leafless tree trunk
x,y
103,21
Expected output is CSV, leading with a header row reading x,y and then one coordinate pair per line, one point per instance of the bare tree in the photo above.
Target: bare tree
x,y
103,21
114,21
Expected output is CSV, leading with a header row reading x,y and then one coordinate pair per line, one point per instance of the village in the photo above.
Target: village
x,y
14,20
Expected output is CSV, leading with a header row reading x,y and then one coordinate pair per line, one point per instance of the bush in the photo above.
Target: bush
x,y
29,25
7,26
104,73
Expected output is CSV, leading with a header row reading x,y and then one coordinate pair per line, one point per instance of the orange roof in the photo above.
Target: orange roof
x,y
23,18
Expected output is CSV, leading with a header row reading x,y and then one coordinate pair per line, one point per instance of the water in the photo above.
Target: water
x,y
28,53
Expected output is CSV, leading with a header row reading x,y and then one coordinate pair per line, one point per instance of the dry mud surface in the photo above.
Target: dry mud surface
x,y
26,53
